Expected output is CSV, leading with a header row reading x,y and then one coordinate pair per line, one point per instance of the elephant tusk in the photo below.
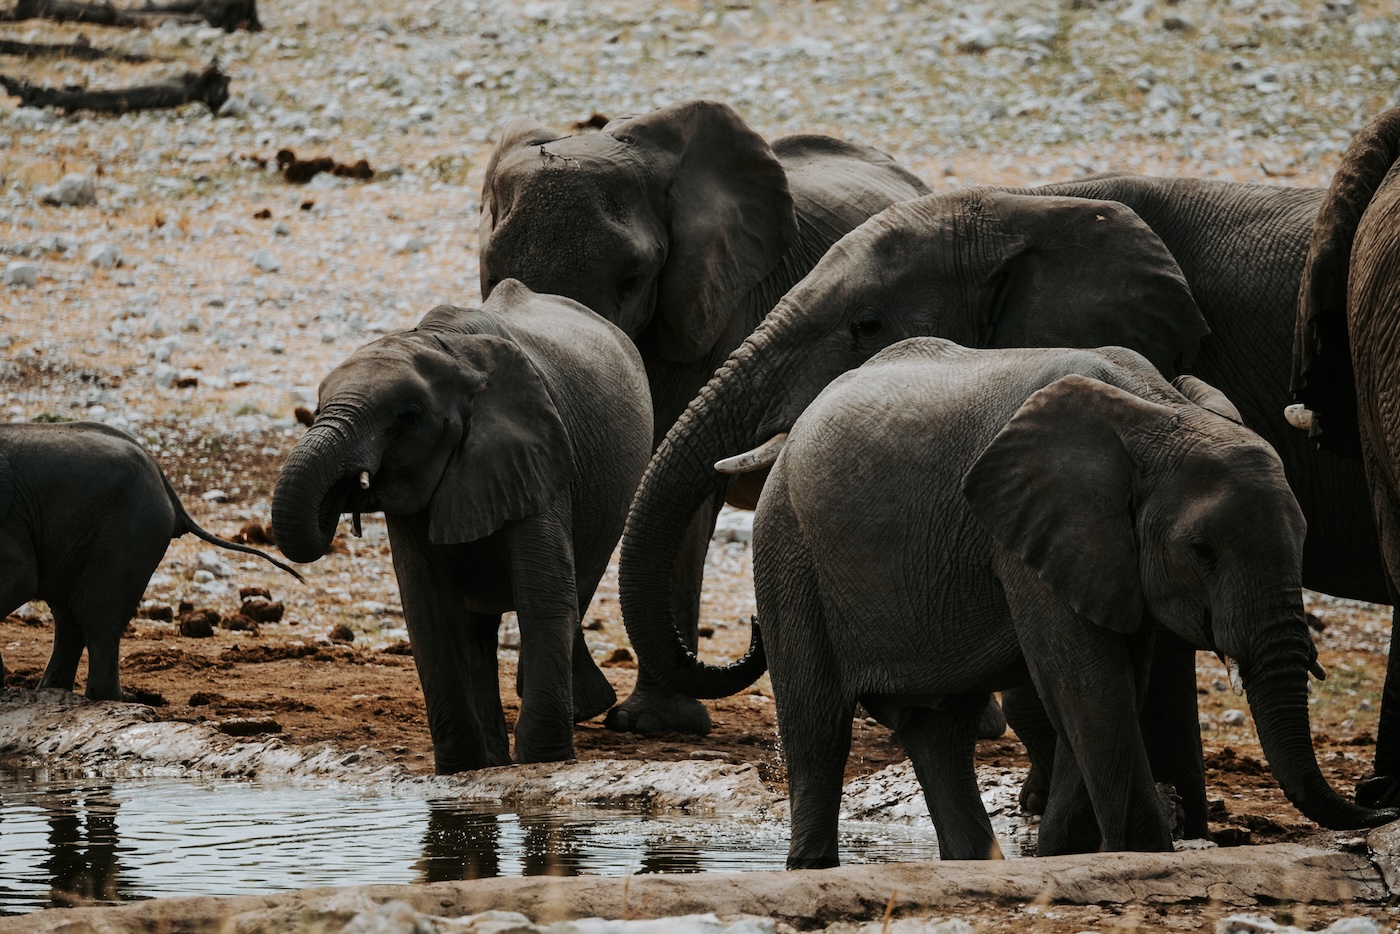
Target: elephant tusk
x,y
1317,670
760,457
355,525
364,479
1299,416
1232,670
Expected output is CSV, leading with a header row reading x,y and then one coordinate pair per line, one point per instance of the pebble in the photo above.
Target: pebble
x,y
406,243
70,191
26,274
1234,717
104,256
264,260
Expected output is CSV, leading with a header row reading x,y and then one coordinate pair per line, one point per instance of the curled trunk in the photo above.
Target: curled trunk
x,y
316,484
1278,698
723,420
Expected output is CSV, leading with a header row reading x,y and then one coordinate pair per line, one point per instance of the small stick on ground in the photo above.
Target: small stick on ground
x,y
79,48
228,15
209,86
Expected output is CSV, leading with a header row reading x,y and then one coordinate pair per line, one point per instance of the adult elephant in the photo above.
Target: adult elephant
x,y
1052,267
683,227
1346,367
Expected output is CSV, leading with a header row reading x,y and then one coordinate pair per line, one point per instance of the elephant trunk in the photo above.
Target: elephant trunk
x,y
1276,684
724,419
320,479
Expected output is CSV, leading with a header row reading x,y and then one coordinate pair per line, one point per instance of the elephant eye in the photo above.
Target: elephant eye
x,y
1205,553
629,283
409,418
866,327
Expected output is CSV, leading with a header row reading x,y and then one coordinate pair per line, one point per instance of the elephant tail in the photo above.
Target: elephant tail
x,y
184,523
1323,377
695,678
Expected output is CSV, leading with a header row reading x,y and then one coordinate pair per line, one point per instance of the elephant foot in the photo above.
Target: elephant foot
x,y
1379,791
1035,792
993,722
592,694
653,711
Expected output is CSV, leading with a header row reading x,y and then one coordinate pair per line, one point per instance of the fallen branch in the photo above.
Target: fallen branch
x,y
209,86
228,15
79,48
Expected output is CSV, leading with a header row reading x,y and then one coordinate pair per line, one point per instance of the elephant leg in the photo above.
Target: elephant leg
x,y
546,601
443,652
653,707
1027,716
1069,824
482,644
593,694
991,722
942,745
1383,788
1171,728
1088,678
814,726
68,648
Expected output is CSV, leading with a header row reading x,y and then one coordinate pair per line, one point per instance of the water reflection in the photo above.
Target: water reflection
x,y
61,842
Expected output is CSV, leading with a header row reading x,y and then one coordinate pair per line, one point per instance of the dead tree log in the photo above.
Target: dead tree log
x,y
228,15
79,48
209,86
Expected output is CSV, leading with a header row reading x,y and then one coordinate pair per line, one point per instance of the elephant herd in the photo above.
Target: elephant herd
x,y
1021,441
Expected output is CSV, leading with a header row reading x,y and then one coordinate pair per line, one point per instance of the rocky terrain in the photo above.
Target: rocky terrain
x,y
163,274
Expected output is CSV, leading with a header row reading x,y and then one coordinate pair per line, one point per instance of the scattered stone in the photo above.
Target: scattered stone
x,y
407,243
70,191
264,260
161,612
262,610
104,256
1234,717
342,634
26,274
620,657
239,622
282,229
198,624
594,624
214,496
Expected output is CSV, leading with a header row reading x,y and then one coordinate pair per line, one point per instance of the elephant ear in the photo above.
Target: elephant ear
x,y
1076,272
1324,378
1207,397
517,137
514,458
1055,487
730,217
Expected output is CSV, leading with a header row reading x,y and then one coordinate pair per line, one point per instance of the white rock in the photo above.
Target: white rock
x,y
70,191
264,260
22,274
733,525
213,496
1234,717
104,256
203,577
422,113
281,229
164,375
406,243
33,118
235,106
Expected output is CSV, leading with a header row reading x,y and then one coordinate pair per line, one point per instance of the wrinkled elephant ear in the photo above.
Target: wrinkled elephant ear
x,y
1055,488
731,217
1324,378
1207,397
514,459
519,133
1077,272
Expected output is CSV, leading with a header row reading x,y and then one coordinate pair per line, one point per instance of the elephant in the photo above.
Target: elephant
x,y
682,226
1345,372
86,514
943,522
502,444
1198,276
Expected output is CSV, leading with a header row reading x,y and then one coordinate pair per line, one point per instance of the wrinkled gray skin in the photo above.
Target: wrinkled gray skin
x,y
683,227
1347,369
1044,268
85,516
947,522
502,445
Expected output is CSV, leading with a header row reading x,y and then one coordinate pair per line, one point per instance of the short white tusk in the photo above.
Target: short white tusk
x,y
1317,670
364,479
760,457
1299,416
1232,669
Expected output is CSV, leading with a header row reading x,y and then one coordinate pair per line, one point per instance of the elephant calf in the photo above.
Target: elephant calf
x,y
503,445
85,516
945,522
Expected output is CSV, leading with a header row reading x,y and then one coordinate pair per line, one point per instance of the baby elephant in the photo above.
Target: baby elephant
x,y
85,516
503,445
946,522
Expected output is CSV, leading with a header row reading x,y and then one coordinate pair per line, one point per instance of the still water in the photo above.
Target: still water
x,y
79,841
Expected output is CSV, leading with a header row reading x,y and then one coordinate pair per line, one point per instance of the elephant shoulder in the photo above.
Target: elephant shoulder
x,y
835,174
7,487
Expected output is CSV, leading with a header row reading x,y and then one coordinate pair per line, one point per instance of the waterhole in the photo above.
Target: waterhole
x,y
76,841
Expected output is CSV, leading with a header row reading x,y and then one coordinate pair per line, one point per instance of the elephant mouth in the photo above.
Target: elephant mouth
x,y
348,495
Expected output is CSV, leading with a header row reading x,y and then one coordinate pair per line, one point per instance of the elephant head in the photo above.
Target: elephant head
x,y
1134,511
982,268
436,418
672,216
